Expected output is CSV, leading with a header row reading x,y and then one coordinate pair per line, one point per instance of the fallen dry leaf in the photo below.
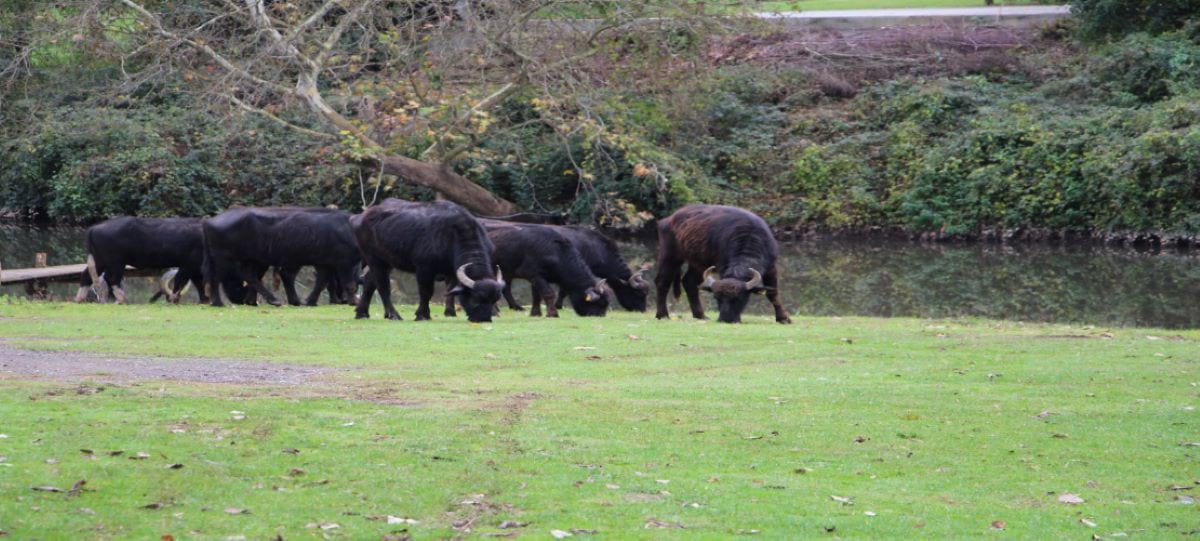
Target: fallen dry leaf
x,y
1185,500
559,534
116,453
167,537
1068,498
509,524
1087,523
48,488
399,520
236,511
842,500
155,505
582,531
140,456
999,524
1180,487
655,523
291,451
583,348
76,488
173,466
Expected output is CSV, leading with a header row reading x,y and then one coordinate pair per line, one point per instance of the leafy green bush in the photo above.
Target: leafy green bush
x,y
1114,18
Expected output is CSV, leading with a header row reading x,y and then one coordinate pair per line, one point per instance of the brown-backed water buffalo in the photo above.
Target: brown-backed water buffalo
x,y
729,251
242,243
430,240
544,255
144,243
601,255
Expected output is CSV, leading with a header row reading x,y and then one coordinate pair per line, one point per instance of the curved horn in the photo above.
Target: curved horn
x,y
602,285
500,276
755,282
639,281
463,279
710,276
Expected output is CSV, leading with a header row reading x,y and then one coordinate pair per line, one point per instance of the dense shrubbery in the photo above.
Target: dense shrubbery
x,y
1114,18
1099,139
1117,148
86,164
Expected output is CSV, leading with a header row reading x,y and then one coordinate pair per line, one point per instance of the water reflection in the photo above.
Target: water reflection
x,y
1029,283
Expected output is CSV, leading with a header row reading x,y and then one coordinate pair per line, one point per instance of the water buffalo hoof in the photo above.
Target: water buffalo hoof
x,y
516,307
362,315
785,321
423,317
394,317
662,316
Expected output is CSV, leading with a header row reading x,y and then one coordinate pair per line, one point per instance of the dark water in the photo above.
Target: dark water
x,y
875,278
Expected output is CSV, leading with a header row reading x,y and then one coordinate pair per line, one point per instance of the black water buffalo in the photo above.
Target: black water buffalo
x,y
733,246
601,255
144,243
544,255
242,243
430,240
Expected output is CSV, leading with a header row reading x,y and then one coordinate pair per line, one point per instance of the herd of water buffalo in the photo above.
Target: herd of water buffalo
x,y
728,251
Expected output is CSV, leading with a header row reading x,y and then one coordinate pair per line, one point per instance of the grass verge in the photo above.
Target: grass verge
x,y
625,426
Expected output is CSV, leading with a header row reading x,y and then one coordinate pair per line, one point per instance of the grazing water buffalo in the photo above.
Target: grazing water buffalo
x,y
430,240
733,246
601,255
145,243
241,243
544,255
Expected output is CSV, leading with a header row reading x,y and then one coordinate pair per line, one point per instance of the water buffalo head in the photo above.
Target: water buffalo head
x,y
732,293
631,293
477,297
592,301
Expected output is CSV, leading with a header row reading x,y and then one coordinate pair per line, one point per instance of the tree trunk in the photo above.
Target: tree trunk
x,y
444,180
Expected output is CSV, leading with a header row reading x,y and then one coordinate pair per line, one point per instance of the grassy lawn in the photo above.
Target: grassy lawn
x,y
825,5
625,426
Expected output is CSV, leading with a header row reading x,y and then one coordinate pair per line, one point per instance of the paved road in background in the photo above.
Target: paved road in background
x,y
992,11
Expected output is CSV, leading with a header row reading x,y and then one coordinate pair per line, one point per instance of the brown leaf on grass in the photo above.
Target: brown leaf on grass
x,y
116,453
1069,499
391,537
1185,500
583,531
296,472
140,456
50,461
76,488
236,511
559,534
1087,523
167,537
662,524
1059,435
173,466
3,533
509,524
47,488
155,505
1180,487
999,524
861,439
291,451
843,500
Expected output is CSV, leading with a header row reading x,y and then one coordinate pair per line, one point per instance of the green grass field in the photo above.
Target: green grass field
x,y
825,5
622,427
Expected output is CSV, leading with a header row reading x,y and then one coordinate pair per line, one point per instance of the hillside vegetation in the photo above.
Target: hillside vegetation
x,y
1084,126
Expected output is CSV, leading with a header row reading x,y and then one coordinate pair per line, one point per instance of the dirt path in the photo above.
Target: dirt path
x,y
75,367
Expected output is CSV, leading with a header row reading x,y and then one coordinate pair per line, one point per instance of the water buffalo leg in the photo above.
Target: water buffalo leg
x,y
558,303
322,281
256,285
85,284
287,275
115,275
178,282
544,291
771,280
384,284
508,297
691,285
668,272
449,300
198,283
362,309
341,285
425,283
